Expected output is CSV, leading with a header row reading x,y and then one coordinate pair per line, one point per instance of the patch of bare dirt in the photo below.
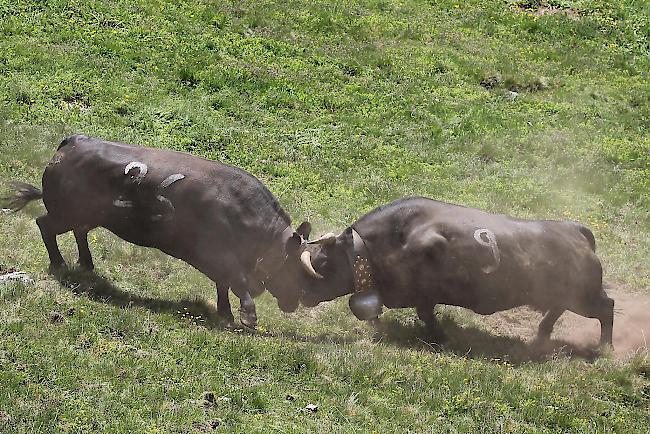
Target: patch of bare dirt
x,y
541,9
631,324
76,101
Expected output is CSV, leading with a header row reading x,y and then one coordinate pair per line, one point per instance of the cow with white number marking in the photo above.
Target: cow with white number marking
x,y
217,218
417,252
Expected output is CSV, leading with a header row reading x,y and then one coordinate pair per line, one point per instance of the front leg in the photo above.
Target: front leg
x,y
247,311
427,315
236,281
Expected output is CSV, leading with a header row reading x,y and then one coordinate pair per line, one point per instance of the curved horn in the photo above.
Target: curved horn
x,y
305,259
328,238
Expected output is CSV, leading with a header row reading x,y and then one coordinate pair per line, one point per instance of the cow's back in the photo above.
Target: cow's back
x,y
93,182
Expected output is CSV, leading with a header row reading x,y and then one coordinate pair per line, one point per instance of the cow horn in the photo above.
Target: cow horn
x,y
305,259
328,238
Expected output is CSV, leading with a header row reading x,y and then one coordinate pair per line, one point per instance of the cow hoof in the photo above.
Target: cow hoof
x,y
542,343
248,319
436,334
226,317
606,345
56,267
230,325
439,337
86,267
249,324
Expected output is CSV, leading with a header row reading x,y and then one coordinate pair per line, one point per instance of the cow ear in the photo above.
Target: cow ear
x,y
294,245
304,230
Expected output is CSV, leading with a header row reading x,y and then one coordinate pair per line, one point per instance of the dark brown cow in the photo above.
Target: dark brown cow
x,y
418,252
217,218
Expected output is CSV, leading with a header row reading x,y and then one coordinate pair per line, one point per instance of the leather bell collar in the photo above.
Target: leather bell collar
x,y
361,265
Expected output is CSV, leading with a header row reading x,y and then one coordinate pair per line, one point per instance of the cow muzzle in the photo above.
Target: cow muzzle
x,y
309,301
288,306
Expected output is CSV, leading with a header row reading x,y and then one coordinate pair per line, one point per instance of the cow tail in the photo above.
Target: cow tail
x,y
66,141
23,194
586,232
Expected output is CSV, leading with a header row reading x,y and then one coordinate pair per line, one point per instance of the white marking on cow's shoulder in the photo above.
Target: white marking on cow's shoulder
x,y
171,179
492,243
123,203
142,170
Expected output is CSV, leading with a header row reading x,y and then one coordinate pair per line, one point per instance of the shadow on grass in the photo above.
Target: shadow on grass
x,y
100,289
103,290
465,341
472,342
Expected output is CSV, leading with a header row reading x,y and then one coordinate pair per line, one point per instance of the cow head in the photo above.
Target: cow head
x,y
326,263
289,282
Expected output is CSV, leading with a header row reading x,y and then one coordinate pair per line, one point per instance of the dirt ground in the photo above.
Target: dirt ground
x,y
631,324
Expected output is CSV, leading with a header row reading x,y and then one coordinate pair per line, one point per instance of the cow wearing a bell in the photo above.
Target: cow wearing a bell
x,y
418,253
217,218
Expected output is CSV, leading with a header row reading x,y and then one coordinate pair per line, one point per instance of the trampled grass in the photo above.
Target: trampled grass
x,y
338,107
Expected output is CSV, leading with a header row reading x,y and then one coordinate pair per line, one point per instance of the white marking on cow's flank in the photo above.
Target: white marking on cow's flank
x,y
168,213
492,243
171,179
123,203
142,168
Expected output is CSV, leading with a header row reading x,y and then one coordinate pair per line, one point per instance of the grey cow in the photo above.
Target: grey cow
x,y
217,218
417,252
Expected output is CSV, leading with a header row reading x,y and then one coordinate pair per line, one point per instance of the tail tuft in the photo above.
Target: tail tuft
x,y
586,232
24,194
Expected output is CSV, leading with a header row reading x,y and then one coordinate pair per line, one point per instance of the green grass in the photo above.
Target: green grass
x,y
338,107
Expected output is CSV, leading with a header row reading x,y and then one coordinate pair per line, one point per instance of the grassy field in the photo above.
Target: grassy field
x,y
535,109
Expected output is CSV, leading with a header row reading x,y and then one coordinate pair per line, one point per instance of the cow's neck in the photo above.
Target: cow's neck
x,y
271,257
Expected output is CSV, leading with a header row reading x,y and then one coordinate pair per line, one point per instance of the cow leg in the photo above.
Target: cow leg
x,y
238,283
50,228
548,322
602,309
85,258
606,318
247,311
428,316
223,305
605,314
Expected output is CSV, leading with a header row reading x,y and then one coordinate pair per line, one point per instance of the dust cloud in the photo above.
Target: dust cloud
x,y
631,324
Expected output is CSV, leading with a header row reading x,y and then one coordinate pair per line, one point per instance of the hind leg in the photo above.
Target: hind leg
x,y
223,305
85,258
548,322
50,228
427,315
606,319
601,308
